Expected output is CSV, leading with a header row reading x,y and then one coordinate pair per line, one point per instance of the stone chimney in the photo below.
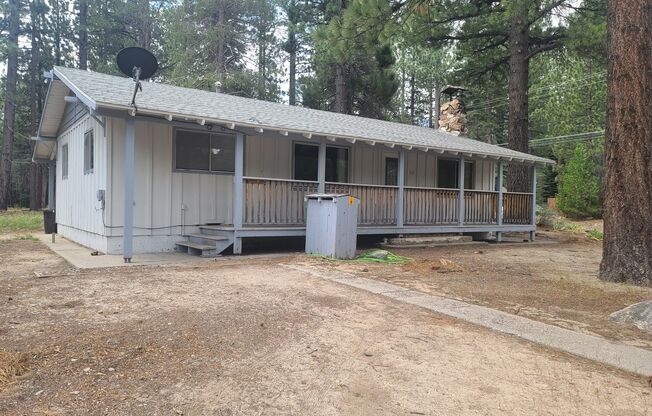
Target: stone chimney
x,y
452,117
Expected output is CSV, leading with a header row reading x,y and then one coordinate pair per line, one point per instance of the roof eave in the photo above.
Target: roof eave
x,y
231,124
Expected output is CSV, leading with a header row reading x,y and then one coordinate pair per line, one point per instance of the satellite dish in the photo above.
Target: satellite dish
x,y
139,64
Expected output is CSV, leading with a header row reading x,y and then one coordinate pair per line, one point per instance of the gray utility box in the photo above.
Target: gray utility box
x,y
331,226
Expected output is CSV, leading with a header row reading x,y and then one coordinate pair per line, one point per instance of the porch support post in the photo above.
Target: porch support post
x,y
533,215
401,189
321,167
499,213
128,230
52,169
460,196
238,192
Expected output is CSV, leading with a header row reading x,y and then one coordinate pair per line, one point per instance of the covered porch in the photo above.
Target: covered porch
x,y
272,206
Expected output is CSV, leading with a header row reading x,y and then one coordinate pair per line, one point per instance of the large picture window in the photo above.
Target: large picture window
x,y
447,174
203,151
306,160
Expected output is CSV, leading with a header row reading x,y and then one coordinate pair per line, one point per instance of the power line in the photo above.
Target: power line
x,y
568,138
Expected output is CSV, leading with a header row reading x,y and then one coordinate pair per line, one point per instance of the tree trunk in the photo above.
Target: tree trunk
x,y
13,22
627,208
220,69
435,122
145,19
83,34
292,90
35,182
517,132
341,90
412,97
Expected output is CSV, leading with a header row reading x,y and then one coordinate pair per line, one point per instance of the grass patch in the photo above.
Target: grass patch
x,y
18,220
560,225
26,237
12,365
595,234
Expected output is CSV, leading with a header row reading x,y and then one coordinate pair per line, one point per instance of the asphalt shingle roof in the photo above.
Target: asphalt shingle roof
x,y
115,92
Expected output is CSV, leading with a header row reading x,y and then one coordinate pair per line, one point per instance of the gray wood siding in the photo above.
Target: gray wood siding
x,y
76,203
164,198
270,156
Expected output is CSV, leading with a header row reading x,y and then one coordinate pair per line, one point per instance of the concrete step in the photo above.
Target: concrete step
x,y
203,250
216,230
207,239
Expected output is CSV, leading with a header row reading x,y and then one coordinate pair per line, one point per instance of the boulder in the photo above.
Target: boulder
x,y
638,314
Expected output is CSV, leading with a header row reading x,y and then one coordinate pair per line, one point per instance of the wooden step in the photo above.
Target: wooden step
x,y
196,246
208,237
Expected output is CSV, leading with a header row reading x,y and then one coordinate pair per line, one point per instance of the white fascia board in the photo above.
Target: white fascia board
x,y
88,101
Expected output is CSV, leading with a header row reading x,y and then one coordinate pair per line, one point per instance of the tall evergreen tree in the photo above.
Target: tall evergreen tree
x,y
14,11
627,243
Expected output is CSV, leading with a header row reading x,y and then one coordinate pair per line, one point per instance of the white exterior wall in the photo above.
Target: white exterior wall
x,y
78,212
164,199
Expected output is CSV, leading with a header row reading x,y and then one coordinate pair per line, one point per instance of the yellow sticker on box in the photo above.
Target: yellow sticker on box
x,y
351,200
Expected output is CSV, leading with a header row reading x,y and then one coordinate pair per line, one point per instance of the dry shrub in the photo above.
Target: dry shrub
x,y
12,365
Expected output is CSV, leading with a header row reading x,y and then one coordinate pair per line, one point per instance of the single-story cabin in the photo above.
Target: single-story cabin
x,y
205,170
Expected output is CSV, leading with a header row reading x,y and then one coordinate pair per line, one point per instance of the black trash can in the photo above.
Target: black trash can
x,y
49,222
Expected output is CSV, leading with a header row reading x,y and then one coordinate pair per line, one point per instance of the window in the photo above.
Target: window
x,y
306,160
88,152
198,150
391,171
447,174
64,161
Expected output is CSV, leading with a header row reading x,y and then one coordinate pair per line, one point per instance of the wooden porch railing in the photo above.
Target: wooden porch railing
x,y
480,207
430,206
517,208
281,202
377,202
275,201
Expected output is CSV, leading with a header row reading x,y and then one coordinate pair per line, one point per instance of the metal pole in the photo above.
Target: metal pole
x,y
128,231
321,167
52,169
533,218
238,192
460,196
401,189
499,234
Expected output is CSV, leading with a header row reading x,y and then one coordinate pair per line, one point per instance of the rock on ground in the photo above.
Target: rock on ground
x,y
638,314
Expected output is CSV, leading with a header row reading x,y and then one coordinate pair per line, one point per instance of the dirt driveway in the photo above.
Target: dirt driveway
x,y
252,337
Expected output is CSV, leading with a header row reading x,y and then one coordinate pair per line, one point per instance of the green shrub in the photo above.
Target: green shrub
x,y
546,216
579,186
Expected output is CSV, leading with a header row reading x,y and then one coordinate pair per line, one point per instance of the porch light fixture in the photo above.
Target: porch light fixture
x,y
230,126
215,151
169,117
350,140
201,122
307,135
258,129
331,138
283,132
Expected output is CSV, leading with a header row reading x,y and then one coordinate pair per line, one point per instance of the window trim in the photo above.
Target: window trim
x,y
92,152
65,170
200,171
317,144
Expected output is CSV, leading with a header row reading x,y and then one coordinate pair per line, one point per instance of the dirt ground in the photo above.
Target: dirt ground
x,y
252,337
553,280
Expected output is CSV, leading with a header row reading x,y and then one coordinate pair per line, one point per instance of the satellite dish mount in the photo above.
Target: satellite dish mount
x,y
139,64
